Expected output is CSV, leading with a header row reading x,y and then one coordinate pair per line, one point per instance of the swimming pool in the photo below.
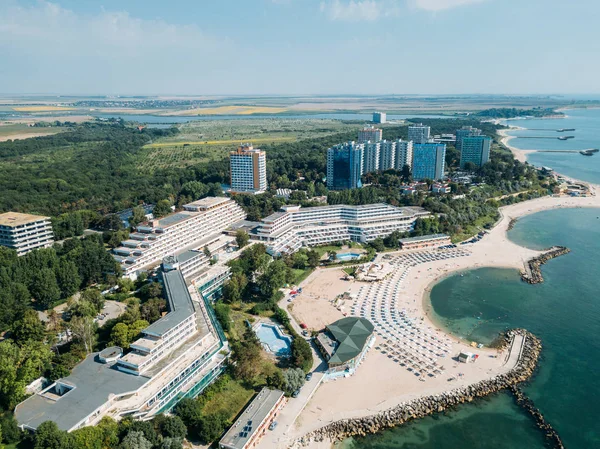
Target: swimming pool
x,y
273,339
348,256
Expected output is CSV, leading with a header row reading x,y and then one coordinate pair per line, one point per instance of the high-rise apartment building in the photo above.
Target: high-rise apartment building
x,y
248,170
465,131
379,117
371,157
370,134
419,133
25,232
475,149
344,166
428,161
404,154
387,154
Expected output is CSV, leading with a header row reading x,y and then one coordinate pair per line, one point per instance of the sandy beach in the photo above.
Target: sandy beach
x,y
380,383
520,155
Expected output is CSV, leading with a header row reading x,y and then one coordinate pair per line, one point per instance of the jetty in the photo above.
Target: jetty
x,y
532,274
525,348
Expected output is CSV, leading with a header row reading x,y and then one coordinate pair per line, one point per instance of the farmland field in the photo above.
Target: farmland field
x,y
41,108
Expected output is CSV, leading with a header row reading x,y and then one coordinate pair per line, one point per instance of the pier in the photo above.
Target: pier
x,y
532,274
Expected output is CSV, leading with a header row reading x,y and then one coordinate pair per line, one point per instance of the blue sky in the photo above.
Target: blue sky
x,y
299,46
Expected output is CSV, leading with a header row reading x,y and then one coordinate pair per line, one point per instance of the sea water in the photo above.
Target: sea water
x,y
586,136
564,312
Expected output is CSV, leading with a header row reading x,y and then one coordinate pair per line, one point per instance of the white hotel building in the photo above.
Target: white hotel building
x,y
196,225
25,232
177,356
292,228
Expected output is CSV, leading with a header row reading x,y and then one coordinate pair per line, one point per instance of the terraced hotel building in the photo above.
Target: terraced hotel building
x,y
198,224
177,356
293,227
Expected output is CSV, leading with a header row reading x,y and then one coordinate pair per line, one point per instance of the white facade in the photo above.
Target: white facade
x,y
419,133
371,157
289,230
404,154
379,117
370,134
387,155
25,232
248,170
157,239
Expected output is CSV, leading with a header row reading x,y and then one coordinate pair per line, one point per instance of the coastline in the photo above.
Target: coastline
x,y
382,384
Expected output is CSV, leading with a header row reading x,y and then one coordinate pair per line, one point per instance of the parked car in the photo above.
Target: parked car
x,y
295,393
273,425
308,377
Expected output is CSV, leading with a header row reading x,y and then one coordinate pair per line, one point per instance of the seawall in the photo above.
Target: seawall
x,y
421,407
532,273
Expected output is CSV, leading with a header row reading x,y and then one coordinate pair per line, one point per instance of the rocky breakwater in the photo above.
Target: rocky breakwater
x,y
421,407
532,273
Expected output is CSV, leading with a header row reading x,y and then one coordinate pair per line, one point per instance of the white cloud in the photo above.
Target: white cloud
x,y
100,49
352,10
440,5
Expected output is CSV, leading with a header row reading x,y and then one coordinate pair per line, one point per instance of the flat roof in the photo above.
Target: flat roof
x,y
94,383
175,218
208,201
245,426
12,219
424,238
179,300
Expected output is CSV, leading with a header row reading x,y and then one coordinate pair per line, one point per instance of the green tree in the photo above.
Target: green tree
x,y
313,258
294,379
276,380
212,426
138,215
150,290
125,285
119,335
44,288
67,277
49,436
110,432
302,354
136,328
234,288
273,278
94,297
152,309
222,314
90,437
170,426
189,411
162,208
84,332
28,327
147,428
135,440
11,433
171,443
241,238
14,300
378,244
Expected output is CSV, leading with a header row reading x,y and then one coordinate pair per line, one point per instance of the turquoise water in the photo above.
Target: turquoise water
x,y
275,341
587,135
564,312
348,256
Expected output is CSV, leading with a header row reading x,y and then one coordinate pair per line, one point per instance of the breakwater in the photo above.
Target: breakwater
x,y
527,404
532,273
512,223
421,407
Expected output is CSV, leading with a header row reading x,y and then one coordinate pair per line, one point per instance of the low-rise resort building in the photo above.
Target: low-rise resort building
x,y
25,232
344,344
177,356
294,227
198,225
425,241
254,421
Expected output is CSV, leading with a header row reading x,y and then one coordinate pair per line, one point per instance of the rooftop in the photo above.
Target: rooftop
x,y
424,238
245,426
209,201
179,300
13,219
351,334
94,383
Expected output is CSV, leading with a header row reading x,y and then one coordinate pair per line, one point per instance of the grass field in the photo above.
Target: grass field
x,y
41,108
230,400
22,131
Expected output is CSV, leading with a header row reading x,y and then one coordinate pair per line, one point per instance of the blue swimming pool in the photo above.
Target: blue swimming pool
x,y
348,256
273,339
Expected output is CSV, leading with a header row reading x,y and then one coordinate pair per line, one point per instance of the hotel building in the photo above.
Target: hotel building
x,y
25,232
370,157
475,149
344,166
294,227
419,133
465,131
253,423
428,161
177,356
387,155
197,225
248,170
370,134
